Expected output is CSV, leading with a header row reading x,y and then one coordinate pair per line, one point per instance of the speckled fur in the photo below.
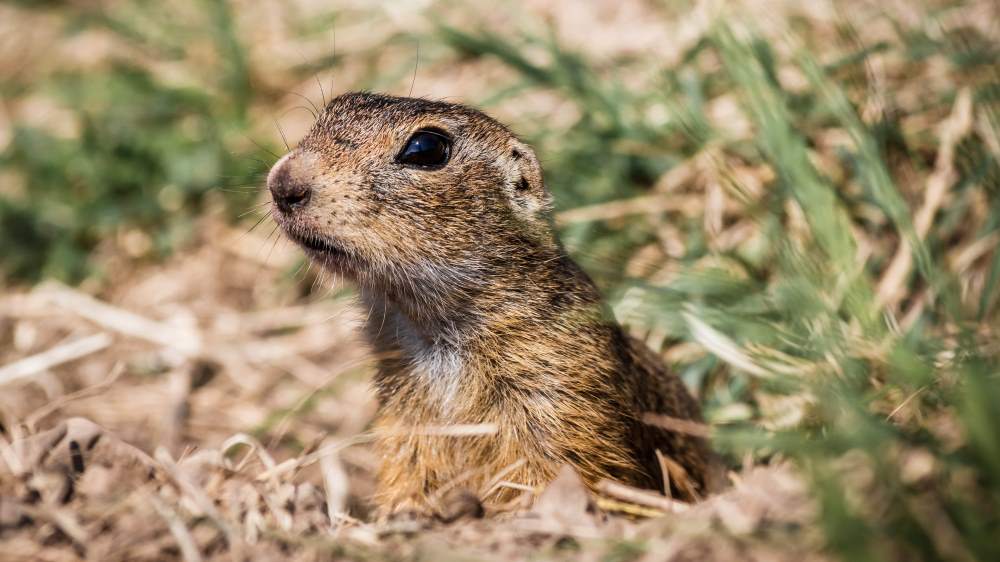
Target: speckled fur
x,y
477,313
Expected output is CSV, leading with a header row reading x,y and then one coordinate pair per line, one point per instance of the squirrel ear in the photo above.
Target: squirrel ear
x,y
525,184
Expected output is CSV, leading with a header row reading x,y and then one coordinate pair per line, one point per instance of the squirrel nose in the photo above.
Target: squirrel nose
x,y
287,192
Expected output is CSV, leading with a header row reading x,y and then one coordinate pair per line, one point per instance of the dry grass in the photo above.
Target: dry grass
x,y
816,252
149,446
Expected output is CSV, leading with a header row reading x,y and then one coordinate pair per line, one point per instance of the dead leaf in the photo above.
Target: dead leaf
x,y
566,505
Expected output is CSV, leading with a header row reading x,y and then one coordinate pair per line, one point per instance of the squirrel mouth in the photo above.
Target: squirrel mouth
x,y
315,245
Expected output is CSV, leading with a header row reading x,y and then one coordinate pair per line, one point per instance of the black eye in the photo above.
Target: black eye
x,y
426,149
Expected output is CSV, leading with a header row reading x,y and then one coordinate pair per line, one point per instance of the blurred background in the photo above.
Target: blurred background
x,y
796,203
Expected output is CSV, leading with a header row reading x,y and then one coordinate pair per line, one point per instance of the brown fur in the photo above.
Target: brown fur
x,y
477,314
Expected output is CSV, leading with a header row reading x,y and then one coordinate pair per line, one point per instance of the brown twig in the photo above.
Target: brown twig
x,y
645,498
677,425
63,353
959,123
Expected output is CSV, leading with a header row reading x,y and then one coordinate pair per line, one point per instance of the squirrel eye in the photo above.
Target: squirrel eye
x,y
426,149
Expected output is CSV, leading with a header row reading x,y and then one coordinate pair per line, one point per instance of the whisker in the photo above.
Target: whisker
x,y
253,209
241,191
315,111
322,93
385,312
255,225
287,111
333,59
282,133
253,177
303,266
416,64
264,164
318,280
273,244
247,188
260,146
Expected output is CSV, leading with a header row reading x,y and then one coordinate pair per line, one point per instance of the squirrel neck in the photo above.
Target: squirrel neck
x,y
499,299
519,334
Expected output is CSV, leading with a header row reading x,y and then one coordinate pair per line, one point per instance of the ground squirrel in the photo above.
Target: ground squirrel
x,y
440,216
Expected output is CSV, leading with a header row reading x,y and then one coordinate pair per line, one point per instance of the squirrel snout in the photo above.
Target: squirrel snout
x,y
288,192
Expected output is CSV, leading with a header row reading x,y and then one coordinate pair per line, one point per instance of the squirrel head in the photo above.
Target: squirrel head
x,y
388,188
